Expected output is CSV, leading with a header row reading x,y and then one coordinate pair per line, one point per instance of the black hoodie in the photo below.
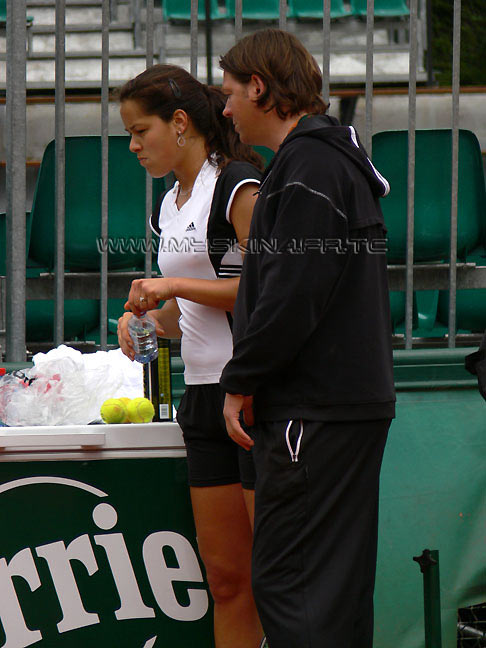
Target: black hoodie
x,y
311,333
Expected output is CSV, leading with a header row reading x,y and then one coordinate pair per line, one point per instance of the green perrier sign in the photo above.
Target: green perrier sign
x,y
100,553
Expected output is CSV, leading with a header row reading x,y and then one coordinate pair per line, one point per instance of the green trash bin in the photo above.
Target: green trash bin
x,y
98,547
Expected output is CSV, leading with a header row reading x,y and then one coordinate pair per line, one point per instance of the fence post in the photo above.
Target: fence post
x,y
16,180
429,566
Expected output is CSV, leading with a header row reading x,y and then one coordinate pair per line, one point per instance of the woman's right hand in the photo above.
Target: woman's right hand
x,y
124,339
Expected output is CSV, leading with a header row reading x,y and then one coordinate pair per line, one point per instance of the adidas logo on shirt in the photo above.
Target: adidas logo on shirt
x,y
191,228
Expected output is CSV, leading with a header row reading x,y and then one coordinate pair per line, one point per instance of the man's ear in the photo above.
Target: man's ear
x,y
257,87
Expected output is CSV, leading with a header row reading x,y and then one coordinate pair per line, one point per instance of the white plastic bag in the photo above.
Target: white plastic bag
x,y
67,388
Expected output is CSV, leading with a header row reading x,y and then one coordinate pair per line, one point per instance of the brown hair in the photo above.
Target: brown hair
x,y
293,81
163,89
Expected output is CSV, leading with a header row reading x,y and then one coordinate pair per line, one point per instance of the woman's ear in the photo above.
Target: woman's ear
x,y
180,120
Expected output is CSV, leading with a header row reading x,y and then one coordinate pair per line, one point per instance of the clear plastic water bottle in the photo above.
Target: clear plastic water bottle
x,y
142,332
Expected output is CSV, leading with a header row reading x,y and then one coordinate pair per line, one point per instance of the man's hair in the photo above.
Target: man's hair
x,y
293,81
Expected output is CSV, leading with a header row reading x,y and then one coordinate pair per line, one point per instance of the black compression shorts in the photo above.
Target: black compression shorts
x,y
213,459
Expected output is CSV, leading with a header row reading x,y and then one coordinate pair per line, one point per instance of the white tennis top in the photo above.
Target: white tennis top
x,y
186,249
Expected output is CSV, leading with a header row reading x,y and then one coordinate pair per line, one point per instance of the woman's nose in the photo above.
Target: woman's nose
x,y
134,146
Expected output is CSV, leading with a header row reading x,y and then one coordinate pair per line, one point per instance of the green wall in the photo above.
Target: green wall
x,y
433,495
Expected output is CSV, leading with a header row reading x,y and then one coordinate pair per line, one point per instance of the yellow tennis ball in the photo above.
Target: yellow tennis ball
x,y
113,411
140,410
125,400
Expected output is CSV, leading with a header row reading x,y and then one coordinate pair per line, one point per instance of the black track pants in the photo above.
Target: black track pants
x,y
316,516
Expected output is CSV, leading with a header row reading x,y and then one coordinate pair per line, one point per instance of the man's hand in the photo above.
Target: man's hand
x,y
233,405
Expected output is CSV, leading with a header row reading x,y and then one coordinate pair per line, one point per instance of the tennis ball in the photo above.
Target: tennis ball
x,y
140,410
113,411
125,400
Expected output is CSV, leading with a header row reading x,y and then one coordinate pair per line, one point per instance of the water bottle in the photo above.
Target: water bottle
x,y
142,332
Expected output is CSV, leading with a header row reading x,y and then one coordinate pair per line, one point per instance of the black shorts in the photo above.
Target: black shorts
x,y
213,459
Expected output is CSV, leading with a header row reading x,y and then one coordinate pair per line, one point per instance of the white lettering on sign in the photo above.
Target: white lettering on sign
x,y
161,577
132,605
59,558
16,632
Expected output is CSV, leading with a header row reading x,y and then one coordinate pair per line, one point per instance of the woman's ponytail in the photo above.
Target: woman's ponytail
x,y
222,138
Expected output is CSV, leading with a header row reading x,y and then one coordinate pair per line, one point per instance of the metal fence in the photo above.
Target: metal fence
x,y
471,626
444,276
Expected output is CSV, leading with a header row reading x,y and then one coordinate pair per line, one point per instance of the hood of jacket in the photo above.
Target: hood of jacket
x,y
344,139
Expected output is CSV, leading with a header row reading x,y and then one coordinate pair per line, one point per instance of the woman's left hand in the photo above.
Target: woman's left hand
x,y
146,294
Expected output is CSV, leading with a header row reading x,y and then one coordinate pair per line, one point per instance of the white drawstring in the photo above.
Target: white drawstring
x,y
294,455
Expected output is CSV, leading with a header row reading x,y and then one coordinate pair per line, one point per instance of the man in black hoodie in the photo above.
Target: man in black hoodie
x,y
312,362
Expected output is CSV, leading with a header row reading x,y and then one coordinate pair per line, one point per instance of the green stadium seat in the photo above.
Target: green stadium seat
x,y
3,239
470,303
266,153
426,303
255,10
305,9
126,214
126,206
40,314
178,384
383,8
398,310
425,319
180,10
432,193
3,15
80,315
114,311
